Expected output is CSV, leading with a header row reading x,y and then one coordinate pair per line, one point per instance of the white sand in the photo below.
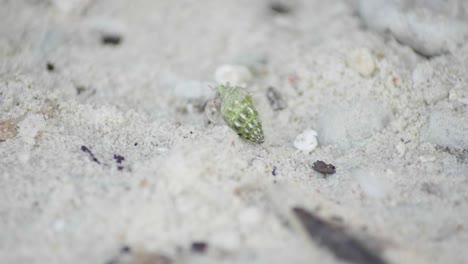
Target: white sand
x,y
394,123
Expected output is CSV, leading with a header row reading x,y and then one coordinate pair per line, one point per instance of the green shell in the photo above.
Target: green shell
x,y
239,113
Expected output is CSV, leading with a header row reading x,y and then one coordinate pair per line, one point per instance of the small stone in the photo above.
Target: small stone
x,y
8,130
324,168
306,141
235,75
362,61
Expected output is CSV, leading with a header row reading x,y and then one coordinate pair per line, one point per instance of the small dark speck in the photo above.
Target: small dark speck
x,y
111,39
125,250
80,89
120,168
50,67
199,246
280,8
273,172
136,144
191,132
118,158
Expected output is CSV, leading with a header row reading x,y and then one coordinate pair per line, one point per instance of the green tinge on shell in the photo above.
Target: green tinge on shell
x,y
239,113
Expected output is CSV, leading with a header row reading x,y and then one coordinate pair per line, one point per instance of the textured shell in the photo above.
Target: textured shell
x,y
239,113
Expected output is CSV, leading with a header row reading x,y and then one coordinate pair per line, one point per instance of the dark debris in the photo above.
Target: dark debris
x,y
50,66
93,158
125,250
280,8
199,246
324,168
118,158
80,89
343,245
111,39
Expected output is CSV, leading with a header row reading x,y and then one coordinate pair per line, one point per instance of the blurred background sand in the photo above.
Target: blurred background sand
x,y
106,146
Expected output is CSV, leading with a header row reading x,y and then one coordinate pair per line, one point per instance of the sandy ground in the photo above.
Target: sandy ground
x,y
108,157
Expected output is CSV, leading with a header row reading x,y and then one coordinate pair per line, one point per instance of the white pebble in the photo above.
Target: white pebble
x,y
362,61
306,141
233,74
